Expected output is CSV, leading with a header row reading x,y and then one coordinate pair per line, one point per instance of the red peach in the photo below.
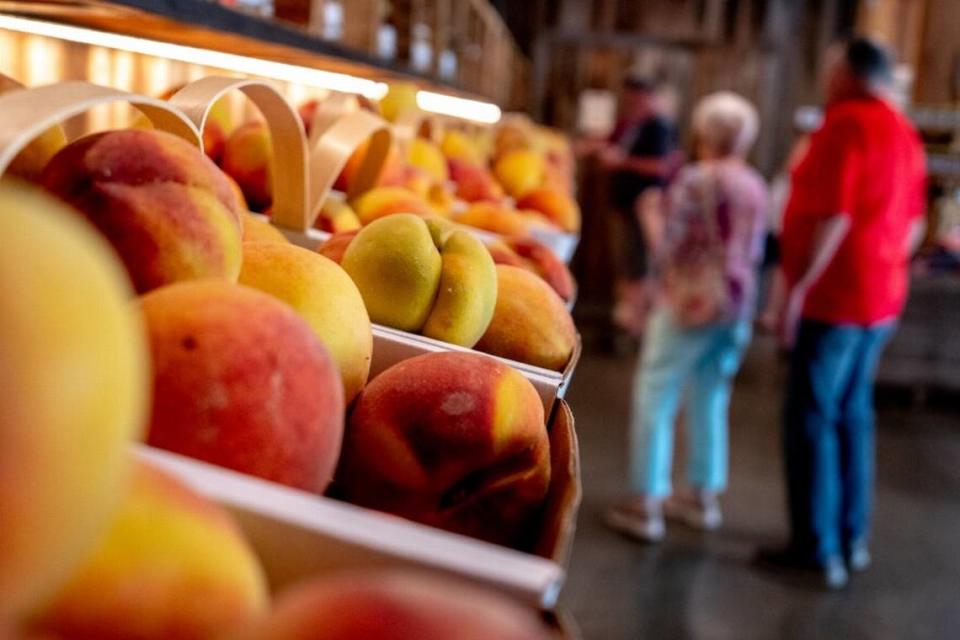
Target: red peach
x,y
240,380
167,210
387,605
453,440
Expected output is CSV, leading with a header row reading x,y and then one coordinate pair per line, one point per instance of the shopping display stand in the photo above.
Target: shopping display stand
x,y
295,533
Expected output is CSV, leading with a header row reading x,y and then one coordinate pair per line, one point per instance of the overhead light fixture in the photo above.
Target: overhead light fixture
x,y
206,57
476,110
485,112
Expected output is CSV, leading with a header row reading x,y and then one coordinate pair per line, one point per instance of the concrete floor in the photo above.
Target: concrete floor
x,y
702,585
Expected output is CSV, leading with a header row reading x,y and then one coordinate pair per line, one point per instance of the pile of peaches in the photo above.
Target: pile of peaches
x,y
143,301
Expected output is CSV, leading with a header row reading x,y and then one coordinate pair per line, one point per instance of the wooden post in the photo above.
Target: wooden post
x,y
361,22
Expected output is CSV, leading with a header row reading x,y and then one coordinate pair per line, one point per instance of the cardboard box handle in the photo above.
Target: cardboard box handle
x,y
289,161
328,111
30,112
335,146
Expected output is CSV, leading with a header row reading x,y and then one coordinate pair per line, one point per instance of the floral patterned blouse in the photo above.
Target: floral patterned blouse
x,y
738,195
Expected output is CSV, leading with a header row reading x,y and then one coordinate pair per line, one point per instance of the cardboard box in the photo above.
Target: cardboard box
x,y
298,534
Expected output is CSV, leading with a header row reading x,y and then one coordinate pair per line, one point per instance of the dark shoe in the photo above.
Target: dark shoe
x,y
858,557
831,574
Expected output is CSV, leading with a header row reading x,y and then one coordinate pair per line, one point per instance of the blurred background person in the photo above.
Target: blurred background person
x,y
857,199
707,237
642,153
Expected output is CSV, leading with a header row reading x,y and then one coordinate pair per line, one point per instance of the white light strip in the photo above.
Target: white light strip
x,y
228,61
485,112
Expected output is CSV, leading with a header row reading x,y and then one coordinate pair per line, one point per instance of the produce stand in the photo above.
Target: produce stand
x,y
295,534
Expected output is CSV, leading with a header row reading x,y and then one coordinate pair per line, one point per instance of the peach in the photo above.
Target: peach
x,y
384,201
531,323
240,380
401,98
336,216
456,145
494,217
73,391
474,182
393,605
336,245
536,258
246,159
171,565
519,171
30,162
427,157
165,207
216,129
256,229
452,440
539,259
324,295
424,276
557,206
392,173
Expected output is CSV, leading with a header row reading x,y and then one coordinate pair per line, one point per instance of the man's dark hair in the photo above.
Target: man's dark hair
x,y
640,83
869,61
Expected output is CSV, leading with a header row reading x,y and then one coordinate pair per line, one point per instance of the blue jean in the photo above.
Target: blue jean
x,y
701,362
829,435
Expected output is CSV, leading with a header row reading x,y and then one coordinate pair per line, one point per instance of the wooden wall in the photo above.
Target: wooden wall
x,y
768,50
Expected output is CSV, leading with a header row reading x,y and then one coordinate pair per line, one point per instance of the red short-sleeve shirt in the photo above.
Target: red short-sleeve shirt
x,y
867,162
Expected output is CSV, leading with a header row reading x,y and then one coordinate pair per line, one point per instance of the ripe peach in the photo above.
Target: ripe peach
x,y
401,98
536,258
171,565
456,145
424,276
217,128
392,172
519,171
426,156
246,158
384,201
452,440
30,162
73,391
556,205
165,207
531,323
390,605
336,245
324,295
496,218
539,259
337,216
474,182
240,380
258,230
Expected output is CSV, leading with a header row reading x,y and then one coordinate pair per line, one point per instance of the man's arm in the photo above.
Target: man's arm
x,y
658,166
827,238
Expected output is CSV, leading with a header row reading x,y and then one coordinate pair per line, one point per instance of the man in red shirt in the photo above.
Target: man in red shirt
x,y
854,215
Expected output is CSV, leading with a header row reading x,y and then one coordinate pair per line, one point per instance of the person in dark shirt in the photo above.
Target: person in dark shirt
x,y
641,154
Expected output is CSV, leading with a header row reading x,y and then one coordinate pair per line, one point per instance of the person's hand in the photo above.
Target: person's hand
x,y
790,317
612,157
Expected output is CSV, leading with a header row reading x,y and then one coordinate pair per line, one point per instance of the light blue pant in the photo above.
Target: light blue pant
x,y
702,362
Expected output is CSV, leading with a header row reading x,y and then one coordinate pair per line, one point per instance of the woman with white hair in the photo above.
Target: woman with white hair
x,y
706,237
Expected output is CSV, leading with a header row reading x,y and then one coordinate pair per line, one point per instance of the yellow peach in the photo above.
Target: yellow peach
x,y
324,295
171,565
73,392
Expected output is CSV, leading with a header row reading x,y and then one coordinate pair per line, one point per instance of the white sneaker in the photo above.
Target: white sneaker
x,y
705,515
639,526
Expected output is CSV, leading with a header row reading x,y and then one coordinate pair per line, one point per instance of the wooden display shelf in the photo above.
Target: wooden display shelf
x,y
207,25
